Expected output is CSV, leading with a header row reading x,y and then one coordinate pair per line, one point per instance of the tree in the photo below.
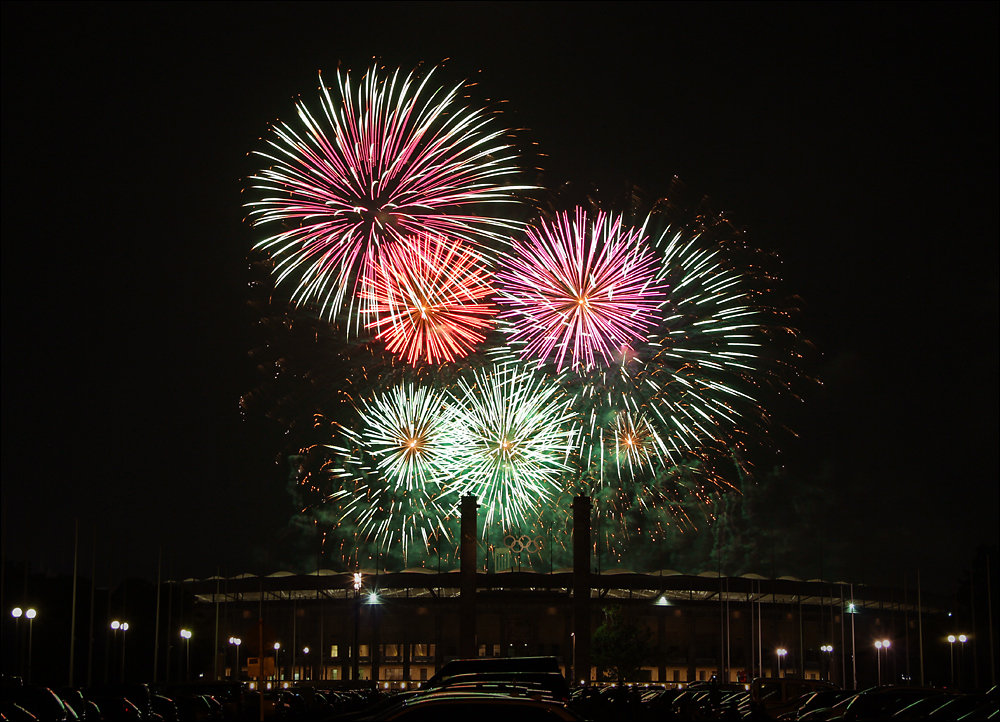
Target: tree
x,y
621,645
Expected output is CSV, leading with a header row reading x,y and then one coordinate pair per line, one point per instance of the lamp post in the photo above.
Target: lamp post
x,y
17,613
236,642
828,650
961,660
30,615
186,636
852,609
574,675
277,667
116,627
124,628
357,624
305,663
879,646
781,653
951,646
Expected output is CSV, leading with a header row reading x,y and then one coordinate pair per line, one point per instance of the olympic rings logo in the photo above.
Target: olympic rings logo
x,y
524,543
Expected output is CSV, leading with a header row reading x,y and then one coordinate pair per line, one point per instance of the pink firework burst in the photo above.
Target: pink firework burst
x,y
426,293
383,160
579,289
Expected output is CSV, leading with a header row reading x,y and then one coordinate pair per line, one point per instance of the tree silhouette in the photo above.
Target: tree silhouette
x,y
621,645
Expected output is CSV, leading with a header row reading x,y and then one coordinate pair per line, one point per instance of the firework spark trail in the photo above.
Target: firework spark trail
x,y
514,433
427,293
583,288
708,364
392,159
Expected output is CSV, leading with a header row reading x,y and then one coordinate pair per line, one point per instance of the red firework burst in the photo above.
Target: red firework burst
x,y
427,294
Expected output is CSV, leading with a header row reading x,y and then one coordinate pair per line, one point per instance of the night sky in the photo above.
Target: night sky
x,y
857,141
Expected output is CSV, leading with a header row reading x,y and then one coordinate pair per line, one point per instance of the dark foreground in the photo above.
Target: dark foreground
x,y
484,700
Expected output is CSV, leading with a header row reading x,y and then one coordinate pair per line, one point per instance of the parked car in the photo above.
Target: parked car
x,y
41,702
819,700
139,695
876,703
166,708
774,693
11,712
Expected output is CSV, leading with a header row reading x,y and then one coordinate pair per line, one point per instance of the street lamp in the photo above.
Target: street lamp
x,y
357,624
236,642
781,653
277,667
305,663
879,646
574,675
115,626
186,636
961,660
17,613
30,615
828,649
951,644
124,628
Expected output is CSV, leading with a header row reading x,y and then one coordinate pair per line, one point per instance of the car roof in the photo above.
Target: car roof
x,y
496,664
487,700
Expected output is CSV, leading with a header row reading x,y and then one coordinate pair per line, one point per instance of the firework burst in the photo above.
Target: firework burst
x,y
514,433
428,295
579,290
391,158
659,349
395,469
